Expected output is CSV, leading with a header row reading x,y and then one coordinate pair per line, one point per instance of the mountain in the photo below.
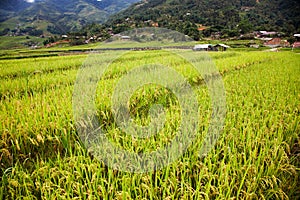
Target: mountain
x,y
9,7
195,17
13,5
55,16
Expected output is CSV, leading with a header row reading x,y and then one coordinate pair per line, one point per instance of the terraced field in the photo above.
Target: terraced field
x,y
256,156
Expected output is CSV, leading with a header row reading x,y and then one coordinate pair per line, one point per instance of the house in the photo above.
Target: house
x,y
297,35
296,45
247,8
256,46
154,24
125,37
203,47
200,27
210,47
266,33
265,39
221,47
276,42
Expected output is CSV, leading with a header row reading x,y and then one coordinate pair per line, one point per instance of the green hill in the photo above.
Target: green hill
x,y
228,18
56,16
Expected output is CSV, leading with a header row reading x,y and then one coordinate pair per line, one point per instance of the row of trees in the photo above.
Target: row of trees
x,y
189,28
22,31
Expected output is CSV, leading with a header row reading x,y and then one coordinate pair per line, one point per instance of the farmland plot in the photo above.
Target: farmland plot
x,y
256,156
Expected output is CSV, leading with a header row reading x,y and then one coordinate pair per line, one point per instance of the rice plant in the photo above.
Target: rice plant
x,y
257,156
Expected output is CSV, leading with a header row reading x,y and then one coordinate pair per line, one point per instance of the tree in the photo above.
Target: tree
x,y
291,40
49,41
4,32
54,29
245,26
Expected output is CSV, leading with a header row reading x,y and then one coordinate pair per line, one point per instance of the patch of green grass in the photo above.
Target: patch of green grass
x,y
17,42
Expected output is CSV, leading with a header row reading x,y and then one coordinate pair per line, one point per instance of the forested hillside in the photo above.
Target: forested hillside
x,y
230,17
10,7
55,16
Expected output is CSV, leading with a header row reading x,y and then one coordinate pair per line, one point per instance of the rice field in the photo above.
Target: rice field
x,y
256,156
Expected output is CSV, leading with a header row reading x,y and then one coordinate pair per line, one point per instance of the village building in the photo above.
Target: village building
x,y
210,47
221,47
256,46
297,35
296,45
203,47
276,42
125,37
263,34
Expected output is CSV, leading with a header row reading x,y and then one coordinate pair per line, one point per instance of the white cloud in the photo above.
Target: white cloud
x,y
30,1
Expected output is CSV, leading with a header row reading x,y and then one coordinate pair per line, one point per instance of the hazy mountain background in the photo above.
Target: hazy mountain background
x,y
55,16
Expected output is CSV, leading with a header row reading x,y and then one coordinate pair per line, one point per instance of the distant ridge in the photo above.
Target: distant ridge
x,y
228,18
56,16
